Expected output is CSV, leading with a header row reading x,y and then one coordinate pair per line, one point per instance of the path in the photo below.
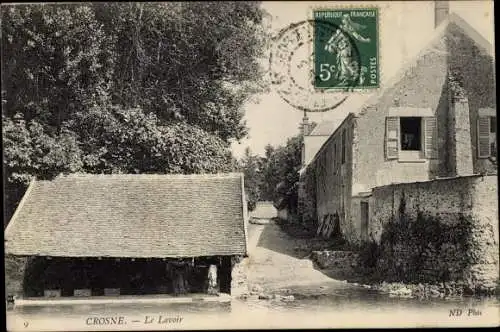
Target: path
x,y
275,265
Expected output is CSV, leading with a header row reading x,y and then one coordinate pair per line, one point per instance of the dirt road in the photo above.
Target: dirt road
x,y
274,265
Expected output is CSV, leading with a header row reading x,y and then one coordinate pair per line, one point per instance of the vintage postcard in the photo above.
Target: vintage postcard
x,y
249,165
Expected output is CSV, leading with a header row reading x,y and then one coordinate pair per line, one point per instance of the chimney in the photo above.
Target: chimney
x,y
306,126
461,147
441,11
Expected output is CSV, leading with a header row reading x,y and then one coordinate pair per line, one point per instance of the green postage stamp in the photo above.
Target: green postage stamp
x,y
346,48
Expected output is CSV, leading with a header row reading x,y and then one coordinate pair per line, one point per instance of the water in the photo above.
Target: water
x,y
342,308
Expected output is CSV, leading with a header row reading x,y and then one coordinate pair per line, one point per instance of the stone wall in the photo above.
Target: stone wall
x,y
325,193
239,280
339,260
461,162
14,275
440,230
333,183
307,197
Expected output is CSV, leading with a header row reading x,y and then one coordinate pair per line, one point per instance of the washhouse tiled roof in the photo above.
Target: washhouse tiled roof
x,y
130,216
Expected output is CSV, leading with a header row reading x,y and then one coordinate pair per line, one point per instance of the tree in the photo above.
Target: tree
x,y
292,162
195,62
55,62
191,62
270,172
275,175
281,171
29,151
125,87
268,151
251,165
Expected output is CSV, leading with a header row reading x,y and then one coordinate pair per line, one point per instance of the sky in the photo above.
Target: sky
x,y
404,28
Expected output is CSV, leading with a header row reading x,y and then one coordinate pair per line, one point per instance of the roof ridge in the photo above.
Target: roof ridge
x,y
350,114
475,35
333,122
155,175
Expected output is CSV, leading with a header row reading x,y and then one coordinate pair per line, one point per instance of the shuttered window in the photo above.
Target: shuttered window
x,y
430,137
483,137
391,137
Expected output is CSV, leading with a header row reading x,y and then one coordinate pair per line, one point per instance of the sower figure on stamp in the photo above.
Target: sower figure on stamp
x,y
347,67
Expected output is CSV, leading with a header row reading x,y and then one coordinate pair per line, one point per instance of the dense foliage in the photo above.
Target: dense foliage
x,y
251,166
125,87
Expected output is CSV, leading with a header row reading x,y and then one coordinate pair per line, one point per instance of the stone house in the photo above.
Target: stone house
x,y
435,119
123,234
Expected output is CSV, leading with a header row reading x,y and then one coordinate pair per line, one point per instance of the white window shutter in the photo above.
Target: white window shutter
x,y
483,137
392,137
430,137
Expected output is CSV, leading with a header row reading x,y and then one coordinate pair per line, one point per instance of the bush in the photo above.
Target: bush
x,y
369,254
425,248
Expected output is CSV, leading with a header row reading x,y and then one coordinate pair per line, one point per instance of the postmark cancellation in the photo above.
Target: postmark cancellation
x,y
317,63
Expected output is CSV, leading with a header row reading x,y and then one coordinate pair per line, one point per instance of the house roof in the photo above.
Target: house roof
x,y
326,128
130,216
344,118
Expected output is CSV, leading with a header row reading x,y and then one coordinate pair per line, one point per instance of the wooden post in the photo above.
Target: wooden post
x,y
178,281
